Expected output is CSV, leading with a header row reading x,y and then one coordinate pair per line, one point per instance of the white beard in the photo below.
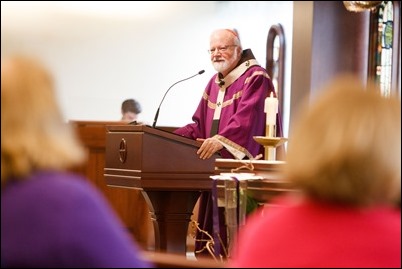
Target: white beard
x,y
221,67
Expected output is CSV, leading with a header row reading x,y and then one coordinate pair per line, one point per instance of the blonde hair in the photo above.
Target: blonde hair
x,y
34,135
346,147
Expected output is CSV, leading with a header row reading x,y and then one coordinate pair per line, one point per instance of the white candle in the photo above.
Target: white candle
x,y
271,108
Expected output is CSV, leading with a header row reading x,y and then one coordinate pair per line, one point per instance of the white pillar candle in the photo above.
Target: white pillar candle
x,y
271,108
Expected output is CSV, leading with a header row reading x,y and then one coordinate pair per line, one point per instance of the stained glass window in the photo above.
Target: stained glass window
x,y
383,58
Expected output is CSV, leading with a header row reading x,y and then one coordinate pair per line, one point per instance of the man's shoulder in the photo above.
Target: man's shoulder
x,y
256,71
257,67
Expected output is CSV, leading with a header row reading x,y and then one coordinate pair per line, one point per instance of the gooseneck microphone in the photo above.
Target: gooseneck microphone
x,y
159,107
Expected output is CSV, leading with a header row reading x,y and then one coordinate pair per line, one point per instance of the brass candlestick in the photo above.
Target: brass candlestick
x,y
270,142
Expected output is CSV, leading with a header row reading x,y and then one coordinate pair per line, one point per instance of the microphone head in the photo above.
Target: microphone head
x,y
201,72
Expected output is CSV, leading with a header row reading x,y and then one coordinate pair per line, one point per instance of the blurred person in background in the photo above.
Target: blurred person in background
x,y
130,108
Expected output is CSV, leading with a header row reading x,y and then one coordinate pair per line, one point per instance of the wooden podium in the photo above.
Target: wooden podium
x,y
166,168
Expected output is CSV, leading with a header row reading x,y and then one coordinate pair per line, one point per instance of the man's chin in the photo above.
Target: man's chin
x,y
219,68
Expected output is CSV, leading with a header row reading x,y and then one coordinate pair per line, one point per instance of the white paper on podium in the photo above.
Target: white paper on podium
x,y
238,176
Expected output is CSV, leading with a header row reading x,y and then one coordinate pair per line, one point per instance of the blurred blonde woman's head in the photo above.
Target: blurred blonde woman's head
x,y
346,146
34,135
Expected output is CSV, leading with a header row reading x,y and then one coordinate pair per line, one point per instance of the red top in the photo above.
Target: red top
x,y
307,234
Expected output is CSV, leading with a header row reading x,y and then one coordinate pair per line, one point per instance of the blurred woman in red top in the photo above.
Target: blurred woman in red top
x,y
345,158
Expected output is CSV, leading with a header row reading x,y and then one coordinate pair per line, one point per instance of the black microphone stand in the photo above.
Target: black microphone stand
x,y
159,107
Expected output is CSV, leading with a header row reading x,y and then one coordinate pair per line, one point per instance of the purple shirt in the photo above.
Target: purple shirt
x,y
242,115
55,219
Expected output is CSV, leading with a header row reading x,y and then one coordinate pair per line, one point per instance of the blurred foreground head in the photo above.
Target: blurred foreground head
x,y
34,135
346,146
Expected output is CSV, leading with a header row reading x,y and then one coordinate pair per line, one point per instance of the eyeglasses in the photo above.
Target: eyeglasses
x,y
220,49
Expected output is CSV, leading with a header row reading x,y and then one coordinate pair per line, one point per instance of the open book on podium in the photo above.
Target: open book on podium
x,y
241,186
266,176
